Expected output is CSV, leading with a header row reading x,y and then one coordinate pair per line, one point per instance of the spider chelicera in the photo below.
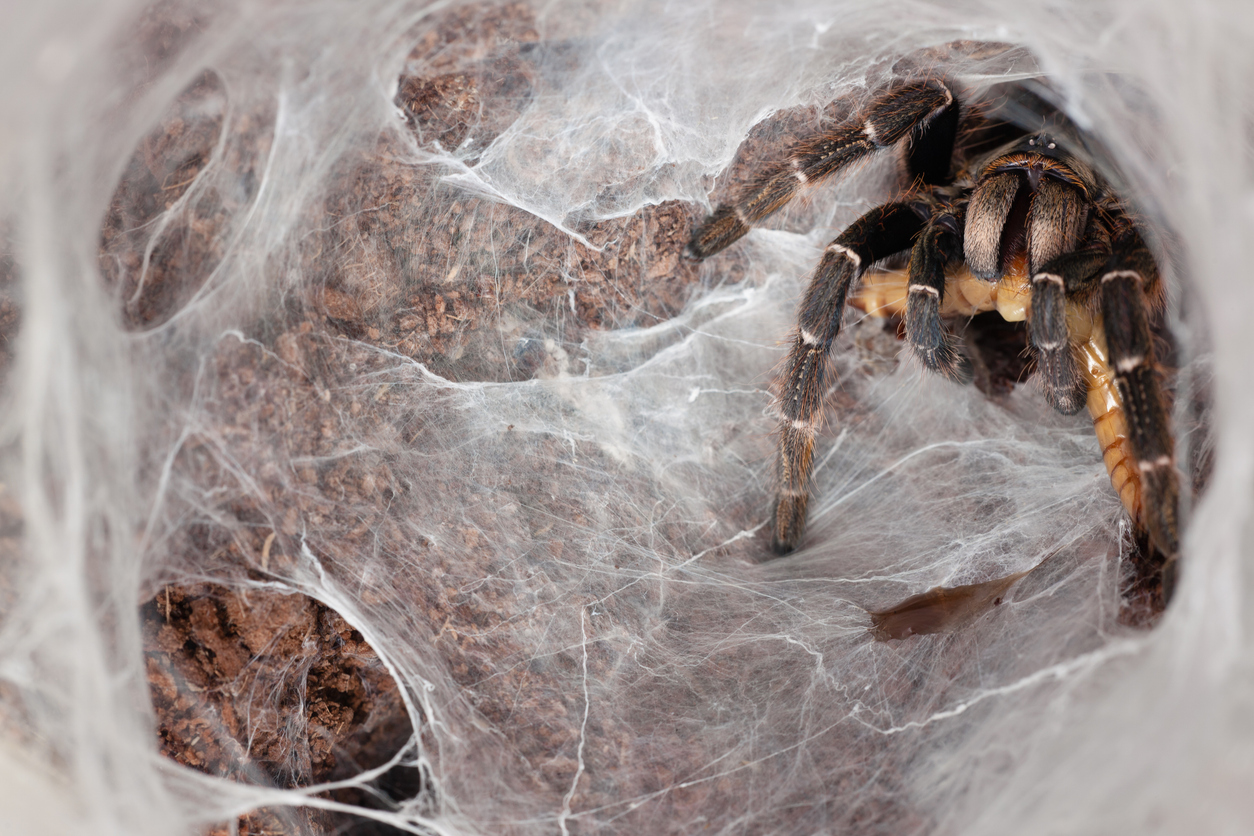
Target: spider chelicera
x,y
1025,226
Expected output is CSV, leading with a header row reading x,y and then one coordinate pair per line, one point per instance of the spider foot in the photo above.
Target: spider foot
x,y
1065,390
788,522
1148,583
717,232
948,361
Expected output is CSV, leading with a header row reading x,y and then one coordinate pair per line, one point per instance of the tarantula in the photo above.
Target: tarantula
x,y
1029,228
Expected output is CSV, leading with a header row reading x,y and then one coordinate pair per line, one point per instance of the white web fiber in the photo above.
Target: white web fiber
x,y
642,670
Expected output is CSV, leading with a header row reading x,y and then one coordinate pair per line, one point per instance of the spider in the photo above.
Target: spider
x,y
1028,227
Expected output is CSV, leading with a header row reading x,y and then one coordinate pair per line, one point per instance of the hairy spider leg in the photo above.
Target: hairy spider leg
x,y
879,233
1065,277
937,247
911,110
1129,288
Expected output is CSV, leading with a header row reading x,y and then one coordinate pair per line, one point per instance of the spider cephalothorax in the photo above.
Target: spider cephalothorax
x,y
1026,227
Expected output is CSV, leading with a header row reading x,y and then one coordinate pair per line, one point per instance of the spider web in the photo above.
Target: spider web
x,y
449,378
